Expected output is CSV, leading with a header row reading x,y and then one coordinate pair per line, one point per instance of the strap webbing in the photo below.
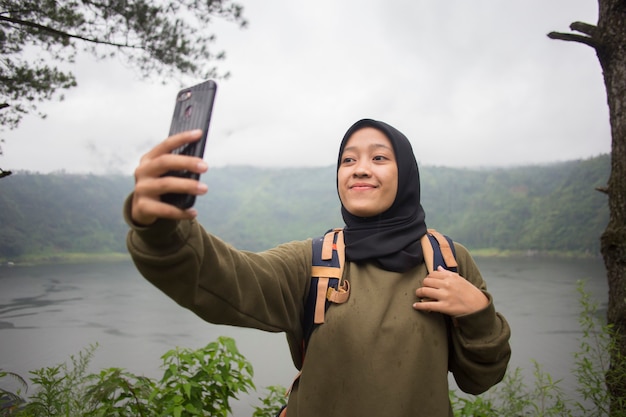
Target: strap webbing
x,y
446,250
320,302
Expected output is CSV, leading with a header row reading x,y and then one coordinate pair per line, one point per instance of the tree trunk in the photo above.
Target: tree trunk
x,y
608,38
611,52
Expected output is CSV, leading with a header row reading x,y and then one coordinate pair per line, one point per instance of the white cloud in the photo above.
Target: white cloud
x,y
470,83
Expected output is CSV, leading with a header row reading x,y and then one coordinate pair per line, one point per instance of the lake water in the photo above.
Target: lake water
x,y
48,313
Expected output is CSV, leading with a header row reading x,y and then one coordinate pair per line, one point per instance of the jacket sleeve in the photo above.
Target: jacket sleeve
x,y
480,350
219,283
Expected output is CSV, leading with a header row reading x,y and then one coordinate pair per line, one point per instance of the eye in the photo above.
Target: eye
x,y
347,160
380,158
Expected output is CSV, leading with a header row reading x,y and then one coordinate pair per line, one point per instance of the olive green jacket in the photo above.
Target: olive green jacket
x,y
374,355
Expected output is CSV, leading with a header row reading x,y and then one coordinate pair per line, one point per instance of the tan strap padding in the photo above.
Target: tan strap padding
x,y
339,296
429,253
327,246
325,271
446,250
320,301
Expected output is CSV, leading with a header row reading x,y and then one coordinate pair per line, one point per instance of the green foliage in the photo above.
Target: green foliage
x,y
165,38
275,399
195,383
593,356
116,392
541,208
280,205
471,407
593,361
9,400
201,383
513,398
60,388
55,214
547,208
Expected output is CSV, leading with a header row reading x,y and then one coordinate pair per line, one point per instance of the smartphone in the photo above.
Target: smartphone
x,y
193,109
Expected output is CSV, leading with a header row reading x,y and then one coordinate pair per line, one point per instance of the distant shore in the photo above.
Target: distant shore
x,y
82,258
499,253
65,258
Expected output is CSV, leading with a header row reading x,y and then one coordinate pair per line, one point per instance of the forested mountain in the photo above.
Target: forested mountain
x,y
547,207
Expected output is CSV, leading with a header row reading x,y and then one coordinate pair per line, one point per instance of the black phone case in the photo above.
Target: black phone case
x,y
193,109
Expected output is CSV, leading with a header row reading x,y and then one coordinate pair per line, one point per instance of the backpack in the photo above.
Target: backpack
x,y
327,270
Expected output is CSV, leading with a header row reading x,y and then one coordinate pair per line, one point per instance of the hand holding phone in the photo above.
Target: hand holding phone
x,y
193,109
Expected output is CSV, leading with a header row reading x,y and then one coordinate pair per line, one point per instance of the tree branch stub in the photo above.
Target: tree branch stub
x,y
588,36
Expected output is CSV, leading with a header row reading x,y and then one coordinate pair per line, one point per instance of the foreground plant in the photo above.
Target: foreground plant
x,y
9,400
195,383
202,382
599,363
60,388
272,403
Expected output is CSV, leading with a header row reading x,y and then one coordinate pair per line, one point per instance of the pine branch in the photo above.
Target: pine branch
x,y
56,32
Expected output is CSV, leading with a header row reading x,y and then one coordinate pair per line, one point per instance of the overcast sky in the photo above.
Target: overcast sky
x,y
470,83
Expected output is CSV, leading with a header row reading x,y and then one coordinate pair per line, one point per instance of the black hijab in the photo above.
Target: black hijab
x,y
392,238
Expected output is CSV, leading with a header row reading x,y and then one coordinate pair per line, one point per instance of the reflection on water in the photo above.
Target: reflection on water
x,y
35,304
48,313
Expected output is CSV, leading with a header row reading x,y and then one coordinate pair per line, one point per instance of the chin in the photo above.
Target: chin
x,y
363,213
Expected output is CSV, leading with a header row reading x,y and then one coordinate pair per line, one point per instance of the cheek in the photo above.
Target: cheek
x,y
340,183
392,192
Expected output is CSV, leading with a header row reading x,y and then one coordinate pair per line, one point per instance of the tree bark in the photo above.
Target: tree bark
x,y
611,51
608,39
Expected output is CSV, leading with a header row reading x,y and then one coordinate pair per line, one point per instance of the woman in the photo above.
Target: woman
x,y
388,349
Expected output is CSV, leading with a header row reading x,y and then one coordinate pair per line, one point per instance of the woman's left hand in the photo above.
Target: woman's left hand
x,y
447,292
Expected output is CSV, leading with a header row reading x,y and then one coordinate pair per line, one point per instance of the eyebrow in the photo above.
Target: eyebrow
x,y
373,146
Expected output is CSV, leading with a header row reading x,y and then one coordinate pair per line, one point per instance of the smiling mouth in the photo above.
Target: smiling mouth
x,y
362,187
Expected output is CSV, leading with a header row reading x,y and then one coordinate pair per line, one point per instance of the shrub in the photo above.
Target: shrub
x,y
195,383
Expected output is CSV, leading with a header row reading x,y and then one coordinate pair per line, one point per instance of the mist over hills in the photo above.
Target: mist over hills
x,y
552,207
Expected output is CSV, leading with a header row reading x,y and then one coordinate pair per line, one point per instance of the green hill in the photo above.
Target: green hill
x,y
539,208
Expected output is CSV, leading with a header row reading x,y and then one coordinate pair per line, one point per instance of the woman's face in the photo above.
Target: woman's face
x,y
367,178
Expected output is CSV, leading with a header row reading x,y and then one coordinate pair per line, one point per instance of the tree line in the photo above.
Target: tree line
x,y
540,208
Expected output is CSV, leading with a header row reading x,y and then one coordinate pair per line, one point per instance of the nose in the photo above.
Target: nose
x,y
362,169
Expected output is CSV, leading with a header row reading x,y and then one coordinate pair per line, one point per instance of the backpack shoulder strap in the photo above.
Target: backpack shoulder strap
x,y
326,272
438,251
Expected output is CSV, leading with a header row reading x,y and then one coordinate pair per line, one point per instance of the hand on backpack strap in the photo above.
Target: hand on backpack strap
x,y
449,293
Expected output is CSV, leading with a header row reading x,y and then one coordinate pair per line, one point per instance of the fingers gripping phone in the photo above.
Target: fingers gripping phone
x,y
192,111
